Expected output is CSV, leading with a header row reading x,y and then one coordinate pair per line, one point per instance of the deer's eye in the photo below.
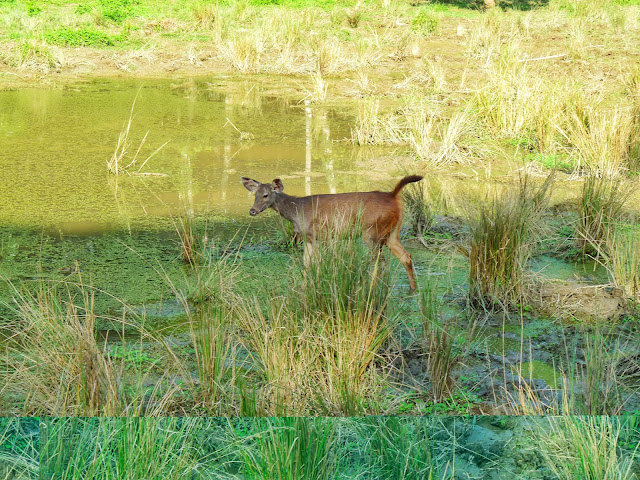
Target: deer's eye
x,y
265,196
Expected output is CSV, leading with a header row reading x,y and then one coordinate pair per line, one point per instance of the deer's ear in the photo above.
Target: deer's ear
x,y
277,185
250,184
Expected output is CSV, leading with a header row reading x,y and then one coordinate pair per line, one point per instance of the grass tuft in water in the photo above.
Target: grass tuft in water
x,y
502,236
121,161
622,259
418,209
439,336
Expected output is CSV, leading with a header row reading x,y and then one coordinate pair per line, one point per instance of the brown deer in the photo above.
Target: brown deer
x,y
378,213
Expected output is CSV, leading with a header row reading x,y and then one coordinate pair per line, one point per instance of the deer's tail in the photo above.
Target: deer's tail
x,y
405,181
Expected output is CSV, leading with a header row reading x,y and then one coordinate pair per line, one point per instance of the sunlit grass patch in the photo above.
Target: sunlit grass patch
x,y
621,258
600,137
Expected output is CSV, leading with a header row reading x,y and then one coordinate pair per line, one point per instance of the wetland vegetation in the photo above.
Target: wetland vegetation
x,y
319,448
130,294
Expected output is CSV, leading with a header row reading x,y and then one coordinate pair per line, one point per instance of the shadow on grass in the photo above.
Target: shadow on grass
x,y
504,4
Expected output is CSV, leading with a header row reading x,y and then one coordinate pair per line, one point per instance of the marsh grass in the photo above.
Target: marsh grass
x,y
205,16
601,387
519,104
209,298
121,161
22,461
439,337
214,351
621,258
59,361
57,366
116,448
600,207
417,207
316,349
597,367
600,137
405,448
435,139
32,55
356,280
290,448
503,233
585,447
190,251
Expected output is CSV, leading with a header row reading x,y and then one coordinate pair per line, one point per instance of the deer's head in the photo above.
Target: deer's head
x,y
265,193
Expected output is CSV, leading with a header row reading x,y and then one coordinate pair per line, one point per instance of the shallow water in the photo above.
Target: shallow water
x,y
54,145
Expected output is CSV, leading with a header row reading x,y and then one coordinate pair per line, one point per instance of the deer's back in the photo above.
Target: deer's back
x,y
377,212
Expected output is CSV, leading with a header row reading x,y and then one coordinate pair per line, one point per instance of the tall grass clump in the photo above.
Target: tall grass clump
x,y
190,251
586,447
600,207
355,281
404,448
622,259
116,448
503,233
210,327
59,363
434,139
439,337
209,297
291,448
375,128
598,392
316,349
516,103
205,15
600,138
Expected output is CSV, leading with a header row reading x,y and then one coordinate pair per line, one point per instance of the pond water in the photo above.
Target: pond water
x,y
54,145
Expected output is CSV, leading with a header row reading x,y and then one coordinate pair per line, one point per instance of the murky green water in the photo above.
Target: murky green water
x,y
54,145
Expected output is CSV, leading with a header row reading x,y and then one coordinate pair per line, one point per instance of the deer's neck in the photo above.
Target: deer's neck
x,y
287,206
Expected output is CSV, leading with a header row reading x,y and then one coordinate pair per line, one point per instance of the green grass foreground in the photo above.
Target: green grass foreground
x,y
390,448
244,329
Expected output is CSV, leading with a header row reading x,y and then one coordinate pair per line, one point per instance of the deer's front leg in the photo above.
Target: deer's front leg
x,y
308,252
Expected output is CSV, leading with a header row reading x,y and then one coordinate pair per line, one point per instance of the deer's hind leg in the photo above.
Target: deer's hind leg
x,y
375,244
393,242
